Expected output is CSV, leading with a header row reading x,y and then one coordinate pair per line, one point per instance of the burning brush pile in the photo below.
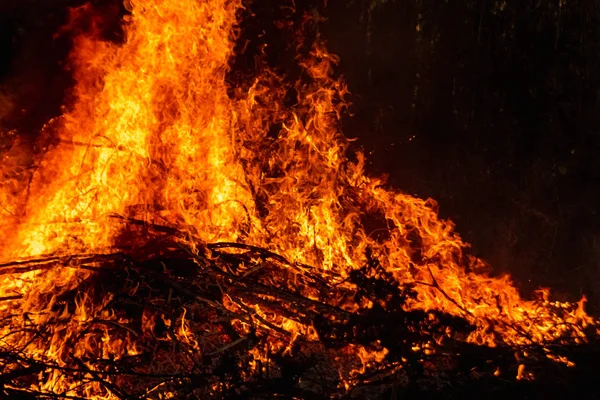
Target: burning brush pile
x,y
197,226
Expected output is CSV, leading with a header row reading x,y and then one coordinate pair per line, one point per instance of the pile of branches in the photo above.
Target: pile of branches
x,y
213,321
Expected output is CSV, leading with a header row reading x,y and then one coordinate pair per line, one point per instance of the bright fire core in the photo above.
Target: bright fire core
x,y
157,133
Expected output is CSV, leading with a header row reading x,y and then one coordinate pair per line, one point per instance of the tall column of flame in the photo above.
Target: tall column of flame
x,y
155,135
150,133
149,136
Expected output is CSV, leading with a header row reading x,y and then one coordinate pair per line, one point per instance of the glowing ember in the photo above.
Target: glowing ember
x,y
156,134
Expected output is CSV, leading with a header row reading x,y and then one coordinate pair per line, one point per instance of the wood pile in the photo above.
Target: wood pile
x,y
208,321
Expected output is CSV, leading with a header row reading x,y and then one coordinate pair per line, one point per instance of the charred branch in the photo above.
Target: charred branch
x,y
208,321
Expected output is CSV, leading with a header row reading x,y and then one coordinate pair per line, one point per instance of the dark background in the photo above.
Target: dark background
x,y
489,107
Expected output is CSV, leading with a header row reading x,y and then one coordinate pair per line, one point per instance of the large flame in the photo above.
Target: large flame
x,y
156,133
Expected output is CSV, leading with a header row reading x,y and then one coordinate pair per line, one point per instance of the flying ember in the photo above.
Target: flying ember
x,y
180,215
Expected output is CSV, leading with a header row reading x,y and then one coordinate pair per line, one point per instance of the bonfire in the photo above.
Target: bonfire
x,y
193,231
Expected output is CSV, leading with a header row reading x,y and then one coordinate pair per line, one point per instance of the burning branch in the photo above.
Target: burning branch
x,y
223,320
237,261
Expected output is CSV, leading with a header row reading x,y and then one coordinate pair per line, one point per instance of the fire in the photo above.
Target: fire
x,y
158,135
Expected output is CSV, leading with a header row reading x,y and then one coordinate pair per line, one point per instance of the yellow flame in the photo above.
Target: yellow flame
x,y
155,135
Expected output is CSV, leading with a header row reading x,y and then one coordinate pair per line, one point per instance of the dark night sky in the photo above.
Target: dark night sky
x,y
501,98
491,108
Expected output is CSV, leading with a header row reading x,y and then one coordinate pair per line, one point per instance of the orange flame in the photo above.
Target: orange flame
x,y
156,134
